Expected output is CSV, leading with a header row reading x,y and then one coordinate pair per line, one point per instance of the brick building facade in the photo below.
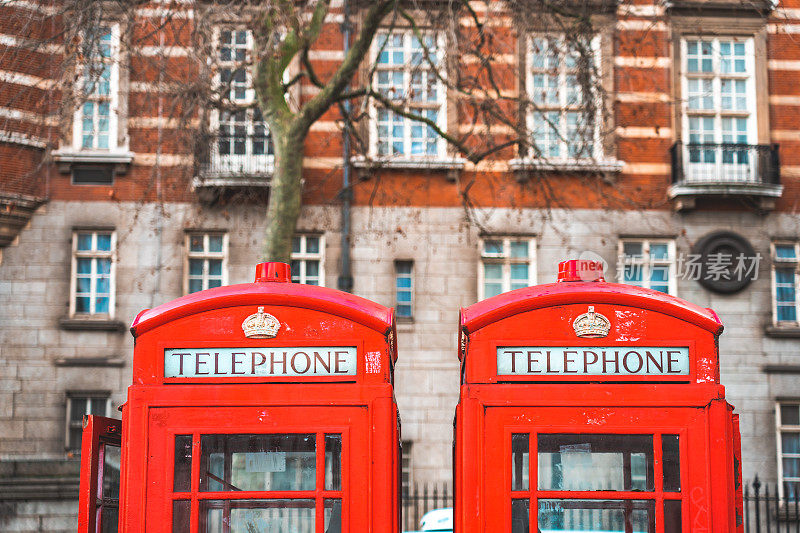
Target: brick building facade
x,y
108,207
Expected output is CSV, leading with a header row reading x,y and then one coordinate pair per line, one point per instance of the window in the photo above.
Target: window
x,y
566,108
206,261
788,422
571,468
95,122
719,109
93,272
784,281
406,75
507,263
404,289
289,485
648,263
80,404
308,259
405,468
244,145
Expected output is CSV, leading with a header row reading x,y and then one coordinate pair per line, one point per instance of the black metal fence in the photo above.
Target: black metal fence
x,y
766,509
725,163
419,499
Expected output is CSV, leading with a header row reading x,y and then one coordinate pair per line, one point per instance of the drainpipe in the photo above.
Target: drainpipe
x,y
345,281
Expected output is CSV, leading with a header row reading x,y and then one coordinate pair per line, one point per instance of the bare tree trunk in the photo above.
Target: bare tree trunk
x,y
285,194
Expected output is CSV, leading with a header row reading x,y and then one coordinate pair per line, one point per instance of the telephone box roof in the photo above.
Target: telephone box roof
x,y
498,307
342,304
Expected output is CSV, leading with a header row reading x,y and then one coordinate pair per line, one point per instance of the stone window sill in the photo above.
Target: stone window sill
x,y
788,331
121,159
567,165
90,361
90,324
452,166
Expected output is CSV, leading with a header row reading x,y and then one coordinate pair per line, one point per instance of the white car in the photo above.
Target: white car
x,y
437,520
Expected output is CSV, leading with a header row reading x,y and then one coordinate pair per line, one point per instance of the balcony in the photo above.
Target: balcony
x,y
739,171
234,164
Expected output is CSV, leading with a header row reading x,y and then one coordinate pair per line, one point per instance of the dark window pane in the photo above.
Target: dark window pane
x,y
183,464
595,462
109,518
333,516
78,409
520,447
111,461
790,415
98,406
181,511
670,447
520,516
257,462
672,516
333,462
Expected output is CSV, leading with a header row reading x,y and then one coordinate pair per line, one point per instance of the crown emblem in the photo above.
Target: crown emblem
x,y
260,325
591,324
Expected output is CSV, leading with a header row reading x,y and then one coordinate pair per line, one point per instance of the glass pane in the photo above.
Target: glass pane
x,y
492,289
659,251
519,272
82,305
196,243
257,462
790,415
215,243
492,271
84,241
312,245
295,245
520,516
183,464
104,242
97,406
595,462
597,516
333,516
103,266
195,267
101,305
333,462
791,467
790,442
195,285
632,249
671,458
215,267
78,409
111,460
672,516
519,249
110,517
181,509
84,266
246,516
520,447
784,251
493,247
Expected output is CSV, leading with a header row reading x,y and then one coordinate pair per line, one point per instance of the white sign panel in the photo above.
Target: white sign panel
x,y
300,361
593,361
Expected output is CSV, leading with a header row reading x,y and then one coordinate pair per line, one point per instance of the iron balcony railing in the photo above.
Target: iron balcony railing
x,y
726,163
242,156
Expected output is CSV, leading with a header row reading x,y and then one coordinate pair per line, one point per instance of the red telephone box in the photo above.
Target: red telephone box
x,y
265,406
593,406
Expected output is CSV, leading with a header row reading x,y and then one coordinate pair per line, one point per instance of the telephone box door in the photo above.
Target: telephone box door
x,y
595,469
270,469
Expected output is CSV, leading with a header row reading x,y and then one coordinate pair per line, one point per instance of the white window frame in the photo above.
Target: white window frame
x,y
205,255
562,107
302,256
93,254
785,263
91,397
408,103
780,429
646,262
716,75
504,258
113,99
409,289
249,161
